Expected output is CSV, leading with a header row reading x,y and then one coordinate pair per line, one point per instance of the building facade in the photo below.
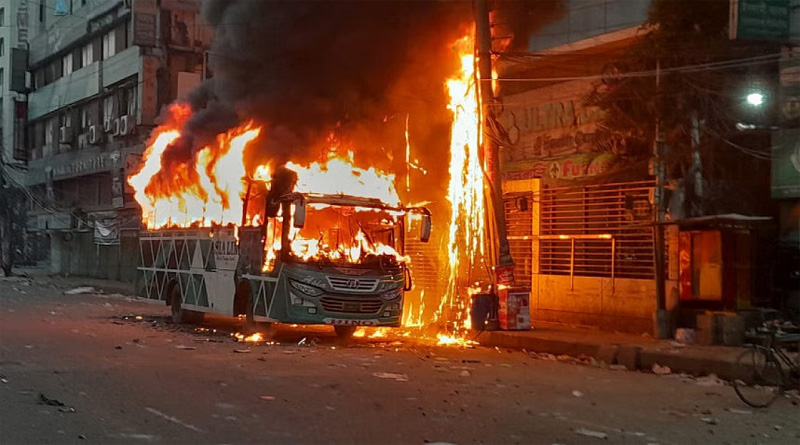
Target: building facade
x,y
99,73
13,67
585,249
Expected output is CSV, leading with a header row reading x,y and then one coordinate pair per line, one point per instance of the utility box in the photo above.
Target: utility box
x,y
514,308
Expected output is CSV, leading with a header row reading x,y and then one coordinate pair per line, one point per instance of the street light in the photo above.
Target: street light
x,y
755,99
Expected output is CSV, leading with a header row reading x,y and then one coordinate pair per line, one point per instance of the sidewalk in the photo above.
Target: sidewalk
x,y
632,351
42,275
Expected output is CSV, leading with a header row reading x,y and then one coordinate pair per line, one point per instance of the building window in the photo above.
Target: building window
x,y
87,55
66,65
108,109
41,11
2,80
109,45
2,16
2,46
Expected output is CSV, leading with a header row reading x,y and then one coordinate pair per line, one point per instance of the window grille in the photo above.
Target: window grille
x,y
598,230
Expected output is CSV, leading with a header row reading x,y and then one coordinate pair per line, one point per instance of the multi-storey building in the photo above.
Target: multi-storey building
x,y
100,72
13,66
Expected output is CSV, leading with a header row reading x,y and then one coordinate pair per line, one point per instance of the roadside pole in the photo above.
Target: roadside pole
x,y
662,324
490,147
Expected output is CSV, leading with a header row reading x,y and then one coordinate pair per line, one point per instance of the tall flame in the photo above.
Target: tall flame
x,y
466,188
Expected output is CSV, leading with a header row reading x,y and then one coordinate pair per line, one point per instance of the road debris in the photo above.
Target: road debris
x,y
80,290
242,351
173,420
391,375
709,420
185,348
661,370
577,393
268,398
709,380
44,400
739,411
590,433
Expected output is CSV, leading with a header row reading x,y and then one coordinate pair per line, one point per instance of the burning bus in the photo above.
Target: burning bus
x,y
270,247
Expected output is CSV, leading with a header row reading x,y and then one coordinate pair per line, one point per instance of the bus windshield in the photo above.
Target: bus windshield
x,y
342,235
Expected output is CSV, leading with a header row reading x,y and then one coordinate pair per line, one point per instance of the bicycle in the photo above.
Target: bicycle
x,y
763,363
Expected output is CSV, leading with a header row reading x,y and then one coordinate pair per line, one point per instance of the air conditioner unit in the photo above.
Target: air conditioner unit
x,y
83,140
95,134
124,127
65,135
108,125
115,128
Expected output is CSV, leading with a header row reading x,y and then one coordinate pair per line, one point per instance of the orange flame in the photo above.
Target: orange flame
x,y
204,191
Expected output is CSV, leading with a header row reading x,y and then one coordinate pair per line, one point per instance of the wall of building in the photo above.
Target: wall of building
x,y
589,19
100,71
623,304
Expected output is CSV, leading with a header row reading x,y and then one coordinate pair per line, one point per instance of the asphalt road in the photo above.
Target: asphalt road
x,y
141,381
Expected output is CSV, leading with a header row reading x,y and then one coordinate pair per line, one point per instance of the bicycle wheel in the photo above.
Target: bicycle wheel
x,y
761,377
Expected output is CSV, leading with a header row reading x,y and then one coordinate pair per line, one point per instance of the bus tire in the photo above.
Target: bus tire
x,y
344,332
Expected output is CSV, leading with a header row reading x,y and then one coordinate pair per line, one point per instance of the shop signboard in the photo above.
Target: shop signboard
x,y
759,20
786,163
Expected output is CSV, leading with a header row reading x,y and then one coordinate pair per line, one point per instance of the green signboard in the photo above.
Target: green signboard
x,y
786,163
765,20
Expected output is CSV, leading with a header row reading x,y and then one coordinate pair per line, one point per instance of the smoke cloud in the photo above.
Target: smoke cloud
x,y
305,68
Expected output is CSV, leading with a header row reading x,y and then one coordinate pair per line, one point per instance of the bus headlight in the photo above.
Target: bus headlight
x,y
306,288
392,294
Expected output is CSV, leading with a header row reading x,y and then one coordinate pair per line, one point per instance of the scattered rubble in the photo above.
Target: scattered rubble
x,y
391,375
80,290
590,433
661,370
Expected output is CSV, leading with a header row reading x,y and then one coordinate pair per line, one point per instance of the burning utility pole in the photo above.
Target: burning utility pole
x,y
500,254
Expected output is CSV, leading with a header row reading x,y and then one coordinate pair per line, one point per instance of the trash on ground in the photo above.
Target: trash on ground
x,y
44,400
391,375
186,348
709,420
661,370
269,398
739,411
709,380
67,409
465,373
684,336
590,433
241,351
577,393
80,290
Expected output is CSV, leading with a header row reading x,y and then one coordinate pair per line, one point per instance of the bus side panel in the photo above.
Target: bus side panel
x,y
263,289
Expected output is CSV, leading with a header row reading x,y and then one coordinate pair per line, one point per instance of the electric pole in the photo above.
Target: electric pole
x,y
490,147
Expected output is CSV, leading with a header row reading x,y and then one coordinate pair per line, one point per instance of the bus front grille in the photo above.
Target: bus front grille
x,y
351,306
353,284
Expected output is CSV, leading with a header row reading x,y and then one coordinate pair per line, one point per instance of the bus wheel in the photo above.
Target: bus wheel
x,y
179,314
344,332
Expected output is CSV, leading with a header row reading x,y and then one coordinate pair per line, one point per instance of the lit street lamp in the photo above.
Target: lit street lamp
x,y
755,99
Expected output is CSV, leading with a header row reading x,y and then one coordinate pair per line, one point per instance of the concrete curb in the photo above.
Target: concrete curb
x,y
694,360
